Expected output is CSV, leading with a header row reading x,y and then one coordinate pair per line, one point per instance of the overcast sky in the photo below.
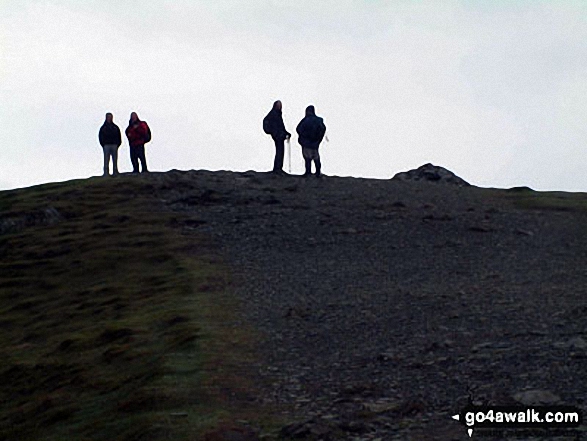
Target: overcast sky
x,y
495,91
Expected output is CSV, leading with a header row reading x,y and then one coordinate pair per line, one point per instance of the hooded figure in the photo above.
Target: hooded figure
x,y
311,131
273,125
138,133
110,140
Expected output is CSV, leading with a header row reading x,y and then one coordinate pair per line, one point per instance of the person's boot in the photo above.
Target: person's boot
x,y
318,169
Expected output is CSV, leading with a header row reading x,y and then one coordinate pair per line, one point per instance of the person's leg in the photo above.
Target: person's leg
x,y
318,166
112,155
317,163
115,160
105,167
134,159
306,153
279,153
308,163
141,154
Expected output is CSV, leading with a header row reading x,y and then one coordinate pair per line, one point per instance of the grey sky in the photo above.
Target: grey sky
x,y
493,90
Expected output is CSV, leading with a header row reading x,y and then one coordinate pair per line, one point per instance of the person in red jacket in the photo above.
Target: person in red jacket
x,y
138,134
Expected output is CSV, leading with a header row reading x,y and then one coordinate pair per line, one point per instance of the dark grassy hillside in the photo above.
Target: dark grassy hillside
x,y
111,318
548,200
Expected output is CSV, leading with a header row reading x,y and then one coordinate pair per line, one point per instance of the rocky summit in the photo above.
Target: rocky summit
x,y
380,308
431,173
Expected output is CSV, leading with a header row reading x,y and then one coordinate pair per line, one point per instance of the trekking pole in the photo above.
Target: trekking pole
x,y
289,155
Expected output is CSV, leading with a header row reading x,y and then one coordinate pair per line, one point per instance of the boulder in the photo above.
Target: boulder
x,y
536,397
431,173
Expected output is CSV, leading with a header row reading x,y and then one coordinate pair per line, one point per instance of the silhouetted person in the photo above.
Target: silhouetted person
x,y
273,125
110,140
311,131
138,133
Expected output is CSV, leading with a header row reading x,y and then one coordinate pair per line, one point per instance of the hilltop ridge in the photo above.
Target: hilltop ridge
x,y
373,308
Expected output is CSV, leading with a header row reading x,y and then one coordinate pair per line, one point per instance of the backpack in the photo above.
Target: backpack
x,y
267,125
148,134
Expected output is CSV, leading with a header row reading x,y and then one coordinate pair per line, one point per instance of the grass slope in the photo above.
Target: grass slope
x,y
524,197
110,318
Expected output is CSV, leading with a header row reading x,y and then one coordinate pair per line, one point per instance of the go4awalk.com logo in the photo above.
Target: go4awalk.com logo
x,y
538,419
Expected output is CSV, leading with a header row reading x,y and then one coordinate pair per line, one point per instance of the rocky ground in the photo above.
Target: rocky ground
x,y
384,306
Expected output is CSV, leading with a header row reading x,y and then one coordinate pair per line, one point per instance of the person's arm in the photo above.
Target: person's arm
x,y
299,127
101,136
146,130
282,130
118,136
130,135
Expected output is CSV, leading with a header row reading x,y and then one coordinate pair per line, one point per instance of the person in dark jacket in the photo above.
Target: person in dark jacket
x,y
110,140
311,131
273,125
138,133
